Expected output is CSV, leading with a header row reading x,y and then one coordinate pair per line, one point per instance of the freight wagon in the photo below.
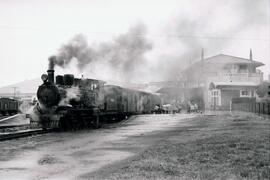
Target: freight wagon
x,y
8,106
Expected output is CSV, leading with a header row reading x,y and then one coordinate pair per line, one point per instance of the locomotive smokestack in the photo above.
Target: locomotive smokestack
x,y
50,75
50,71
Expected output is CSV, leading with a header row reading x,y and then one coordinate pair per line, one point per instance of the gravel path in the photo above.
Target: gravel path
x,y
71,155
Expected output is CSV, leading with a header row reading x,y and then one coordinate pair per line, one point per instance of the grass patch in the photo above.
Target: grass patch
x,y
239,151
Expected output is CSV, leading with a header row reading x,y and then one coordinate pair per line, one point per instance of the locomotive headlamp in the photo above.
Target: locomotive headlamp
x,y
44,77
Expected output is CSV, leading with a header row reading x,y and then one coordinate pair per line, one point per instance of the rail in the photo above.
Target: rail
x,y
14,126
5,118
20,134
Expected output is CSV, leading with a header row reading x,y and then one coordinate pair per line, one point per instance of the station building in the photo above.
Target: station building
x,y
220,78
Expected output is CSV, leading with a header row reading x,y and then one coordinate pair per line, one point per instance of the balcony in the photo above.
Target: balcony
x,y
236,77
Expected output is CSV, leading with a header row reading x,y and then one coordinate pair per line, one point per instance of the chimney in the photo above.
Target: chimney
x,y
50,71
250,55
202,54
50,75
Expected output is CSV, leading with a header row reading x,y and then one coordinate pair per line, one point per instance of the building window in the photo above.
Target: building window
x,y
243,69
234,69
245,93
215,93
215,97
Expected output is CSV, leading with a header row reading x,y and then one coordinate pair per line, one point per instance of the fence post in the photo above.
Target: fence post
x,y
256,108
268,108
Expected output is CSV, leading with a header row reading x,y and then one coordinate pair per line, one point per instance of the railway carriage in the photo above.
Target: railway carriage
x,y
127,101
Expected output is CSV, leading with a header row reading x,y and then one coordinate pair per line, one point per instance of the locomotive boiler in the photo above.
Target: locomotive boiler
x,y
67,102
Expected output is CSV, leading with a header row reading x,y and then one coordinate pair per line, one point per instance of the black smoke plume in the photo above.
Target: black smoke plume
x,y
52,61
125,54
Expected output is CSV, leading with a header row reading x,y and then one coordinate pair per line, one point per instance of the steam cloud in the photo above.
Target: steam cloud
x,y
124,55
124,58
210,25
70,93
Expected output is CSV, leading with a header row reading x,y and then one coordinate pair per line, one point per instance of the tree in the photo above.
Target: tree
x,y
263,90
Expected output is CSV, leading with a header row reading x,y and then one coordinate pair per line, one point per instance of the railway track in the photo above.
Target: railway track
x,y
13,126
8,132
20,134
5,117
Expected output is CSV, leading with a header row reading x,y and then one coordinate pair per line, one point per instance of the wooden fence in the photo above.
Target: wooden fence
x,y
255,107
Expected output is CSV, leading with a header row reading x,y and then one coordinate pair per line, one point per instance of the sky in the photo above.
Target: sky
x,y
33,30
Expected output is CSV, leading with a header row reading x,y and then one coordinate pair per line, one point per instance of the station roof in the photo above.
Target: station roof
x,y
224,59
227,59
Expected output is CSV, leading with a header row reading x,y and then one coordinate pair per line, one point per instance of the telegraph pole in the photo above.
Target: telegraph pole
x,y
14,88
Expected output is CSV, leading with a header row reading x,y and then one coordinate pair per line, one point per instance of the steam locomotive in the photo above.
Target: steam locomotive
x,y
73,103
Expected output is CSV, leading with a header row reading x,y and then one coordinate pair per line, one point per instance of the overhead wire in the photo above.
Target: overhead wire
x,y
66,29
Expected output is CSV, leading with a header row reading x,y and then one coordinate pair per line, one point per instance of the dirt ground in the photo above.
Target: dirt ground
x,y
82,154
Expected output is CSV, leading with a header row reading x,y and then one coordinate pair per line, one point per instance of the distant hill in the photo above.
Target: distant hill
x,y
30,86
27,86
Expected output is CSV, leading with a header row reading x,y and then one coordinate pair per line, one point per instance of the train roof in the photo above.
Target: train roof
x,y
6,98
90,80
95,80
115,87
